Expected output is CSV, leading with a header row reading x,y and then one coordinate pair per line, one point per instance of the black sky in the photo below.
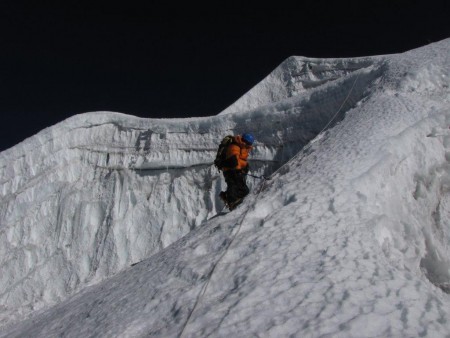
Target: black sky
x,y
61,58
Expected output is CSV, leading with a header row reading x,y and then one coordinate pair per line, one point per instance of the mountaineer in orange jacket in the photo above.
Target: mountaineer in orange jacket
x,y
235,167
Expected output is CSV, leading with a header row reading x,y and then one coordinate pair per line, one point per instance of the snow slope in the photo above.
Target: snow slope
x,y
349,238
86,198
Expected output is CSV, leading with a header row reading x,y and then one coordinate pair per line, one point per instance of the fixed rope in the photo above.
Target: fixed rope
x,y
211,272
323,129
208,279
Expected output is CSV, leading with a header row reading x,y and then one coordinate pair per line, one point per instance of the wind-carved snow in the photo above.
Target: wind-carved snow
x,y
98,192
296,77
349,238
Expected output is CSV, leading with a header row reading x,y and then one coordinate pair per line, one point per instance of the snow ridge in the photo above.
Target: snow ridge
x,y
296,76
350,238
86,198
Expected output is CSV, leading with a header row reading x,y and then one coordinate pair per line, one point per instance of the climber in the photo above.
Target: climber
x,y
232,160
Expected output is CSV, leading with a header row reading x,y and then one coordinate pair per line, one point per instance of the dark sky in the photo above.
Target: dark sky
x,y
61,58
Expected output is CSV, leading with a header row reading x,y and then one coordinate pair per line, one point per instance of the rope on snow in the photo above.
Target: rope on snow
x,y
209,276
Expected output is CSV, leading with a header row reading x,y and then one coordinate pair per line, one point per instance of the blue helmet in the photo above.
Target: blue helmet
x,y
248,138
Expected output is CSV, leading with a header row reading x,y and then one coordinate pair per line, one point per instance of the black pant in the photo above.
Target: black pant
x,y
236,186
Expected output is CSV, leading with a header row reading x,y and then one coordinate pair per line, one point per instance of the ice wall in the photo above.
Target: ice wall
x,y
98,192
351,238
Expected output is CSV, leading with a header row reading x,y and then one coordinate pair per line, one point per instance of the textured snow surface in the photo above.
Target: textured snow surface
x,y
349,238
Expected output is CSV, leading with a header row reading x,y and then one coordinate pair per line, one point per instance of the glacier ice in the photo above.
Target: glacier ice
x,y
350,237
100,191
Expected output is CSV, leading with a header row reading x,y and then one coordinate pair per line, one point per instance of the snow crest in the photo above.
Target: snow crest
x,y
349,238
100,191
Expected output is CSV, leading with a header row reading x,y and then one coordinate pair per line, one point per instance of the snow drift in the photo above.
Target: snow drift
x,y
350,236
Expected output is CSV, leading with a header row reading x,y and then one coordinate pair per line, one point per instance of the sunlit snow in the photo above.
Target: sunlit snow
x,y
107,223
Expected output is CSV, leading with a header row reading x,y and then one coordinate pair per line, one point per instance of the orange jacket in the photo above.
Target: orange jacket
x,y
240,150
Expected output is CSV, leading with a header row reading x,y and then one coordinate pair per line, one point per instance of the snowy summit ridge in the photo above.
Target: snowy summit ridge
x,y
350,237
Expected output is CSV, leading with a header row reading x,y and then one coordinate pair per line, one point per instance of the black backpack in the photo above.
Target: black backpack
x,y
222,152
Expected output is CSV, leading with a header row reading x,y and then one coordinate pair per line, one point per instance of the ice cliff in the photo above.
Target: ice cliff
x,y
351,234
